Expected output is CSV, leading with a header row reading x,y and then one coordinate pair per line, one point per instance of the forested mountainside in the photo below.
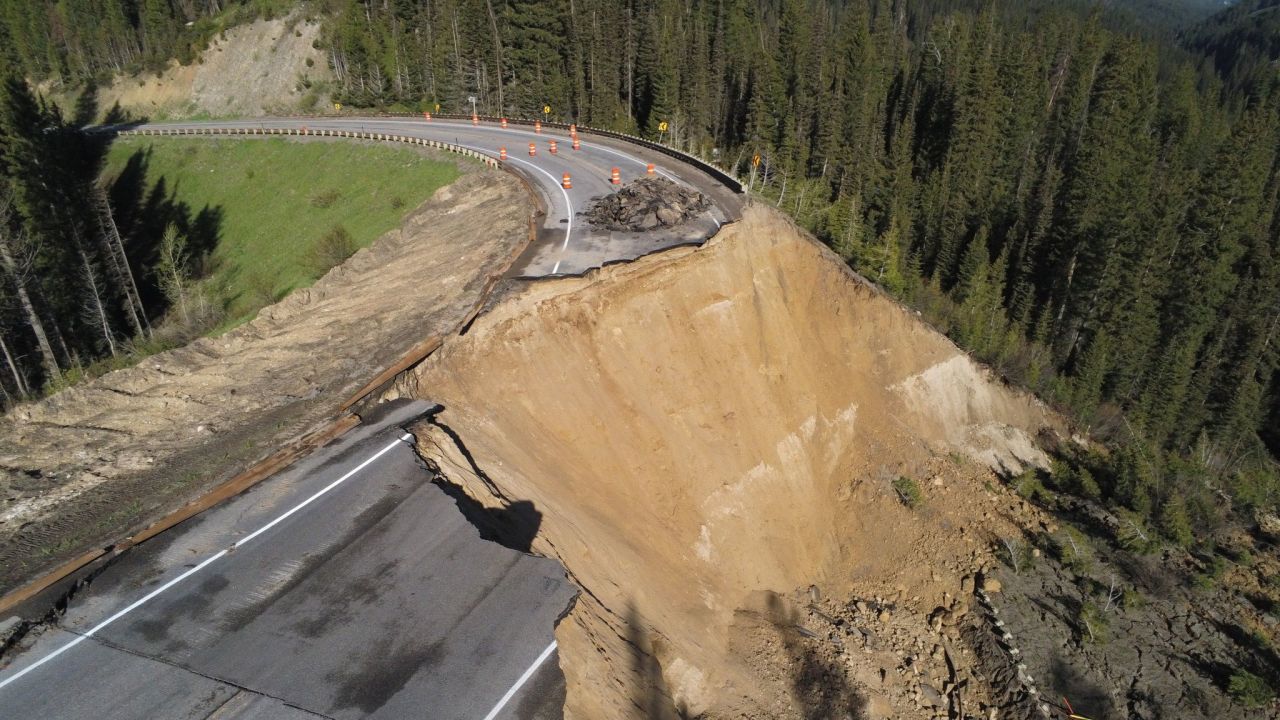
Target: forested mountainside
x,y
1171,13
1092,212
1091,209
1243,43
80,39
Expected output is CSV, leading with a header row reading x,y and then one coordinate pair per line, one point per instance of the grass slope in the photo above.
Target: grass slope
x,y
275,198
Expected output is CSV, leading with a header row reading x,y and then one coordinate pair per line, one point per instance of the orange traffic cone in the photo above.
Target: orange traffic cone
x,y
566,183
427,115
504,122
553,147
615,177
502,153
649,168
475,120
533,149
573,129
576,145
537,126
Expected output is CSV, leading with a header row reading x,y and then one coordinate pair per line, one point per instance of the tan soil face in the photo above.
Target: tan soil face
x,y
251,70
709,432
83,467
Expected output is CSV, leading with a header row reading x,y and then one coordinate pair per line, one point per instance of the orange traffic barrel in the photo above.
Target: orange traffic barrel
x,y
615,177
533,149
475,120
553,147
576,145
649,168
573,129
537,126
504,122
566,183
502,153
427,115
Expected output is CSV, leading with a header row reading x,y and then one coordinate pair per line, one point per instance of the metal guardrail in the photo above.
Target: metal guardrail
x,y
720,175
723,176
306,132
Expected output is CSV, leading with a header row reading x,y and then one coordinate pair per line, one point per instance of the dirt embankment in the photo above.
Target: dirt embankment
x,y
264,67
710,439
80,468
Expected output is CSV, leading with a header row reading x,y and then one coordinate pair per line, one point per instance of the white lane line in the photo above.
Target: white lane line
x,y
568,228
208,561
520,683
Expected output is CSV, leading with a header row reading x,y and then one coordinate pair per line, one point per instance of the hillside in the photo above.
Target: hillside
x,y
253,210
780,492
97,461
1171,14
1243,43
261,67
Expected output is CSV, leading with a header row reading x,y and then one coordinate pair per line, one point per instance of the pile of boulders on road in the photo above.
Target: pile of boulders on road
x,y
646,204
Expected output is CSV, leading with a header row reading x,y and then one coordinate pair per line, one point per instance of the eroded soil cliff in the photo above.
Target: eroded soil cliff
x,y
709,439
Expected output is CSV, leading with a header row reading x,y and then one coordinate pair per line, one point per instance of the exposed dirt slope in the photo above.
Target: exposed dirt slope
x,y
706,433
90,462
255,69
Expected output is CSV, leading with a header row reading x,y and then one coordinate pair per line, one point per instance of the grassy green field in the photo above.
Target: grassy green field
x,y
275,198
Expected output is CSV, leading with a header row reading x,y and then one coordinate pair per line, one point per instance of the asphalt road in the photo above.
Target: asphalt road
x,y
566,243
349,586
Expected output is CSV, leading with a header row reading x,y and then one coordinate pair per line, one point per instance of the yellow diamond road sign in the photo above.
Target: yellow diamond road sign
x,y
337,106
546,109
662,126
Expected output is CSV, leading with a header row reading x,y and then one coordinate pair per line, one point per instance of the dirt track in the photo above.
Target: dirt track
x,y
89,463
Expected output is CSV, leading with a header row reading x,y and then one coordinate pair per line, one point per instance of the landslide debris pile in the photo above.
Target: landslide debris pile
x,y
645,204
708,433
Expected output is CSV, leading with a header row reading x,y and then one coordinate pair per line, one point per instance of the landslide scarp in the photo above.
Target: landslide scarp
x,y
712,438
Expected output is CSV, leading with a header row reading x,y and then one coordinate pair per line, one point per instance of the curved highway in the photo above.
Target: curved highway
x,y
350,585
566,242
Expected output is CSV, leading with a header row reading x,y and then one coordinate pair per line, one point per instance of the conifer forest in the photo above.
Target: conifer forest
x,y
1087,201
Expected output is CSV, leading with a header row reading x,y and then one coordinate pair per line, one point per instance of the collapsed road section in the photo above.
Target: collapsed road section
x,y
711,437
349,586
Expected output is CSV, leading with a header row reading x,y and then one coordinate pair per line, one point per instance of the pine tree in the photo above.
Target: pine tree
x,y
535,42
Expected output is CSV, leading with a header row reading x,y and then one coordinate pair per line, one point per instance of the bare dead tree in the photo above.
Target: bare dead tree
x,y
94,306
118,262
497,50
19,378
1014,547
1114,594
1088,626
1132,533
16,266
